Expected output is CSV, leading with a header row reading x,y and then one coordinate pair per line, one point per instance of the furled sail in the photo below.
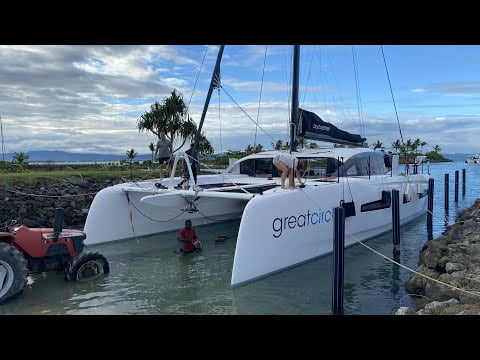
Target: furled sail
x,y
311,126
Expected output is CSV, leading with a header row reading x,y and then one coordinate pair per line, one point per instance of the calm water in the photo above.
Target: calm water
x,y
148,278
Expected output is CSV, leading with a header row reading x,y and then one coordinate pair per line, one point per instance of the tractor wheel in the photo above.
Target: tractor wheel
x,y
87,266
13,272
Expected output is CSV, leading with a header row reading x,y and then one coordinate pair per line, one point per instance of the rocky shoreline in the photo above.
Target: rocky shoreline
x,y
453,258
39,211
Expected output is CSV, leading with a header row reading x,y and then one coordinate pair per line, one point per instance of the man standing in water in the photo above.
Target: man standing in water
x,y
162,153
188,237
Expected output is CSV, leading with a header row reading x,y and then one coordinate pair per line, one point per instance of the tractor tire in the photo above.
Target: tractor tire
x,y
87,266
13,272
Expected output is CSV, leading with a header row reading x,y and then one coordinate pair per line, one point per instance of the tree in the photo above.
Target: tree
x,y
277,145
204,146
313,145
437,149
302,142
171,118
131,154
397,145
152,149
422,144
377,145
258,148
21,159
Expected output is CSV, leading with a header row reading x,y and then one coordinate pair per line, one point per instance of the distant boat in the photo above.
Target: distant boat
x,y
473,159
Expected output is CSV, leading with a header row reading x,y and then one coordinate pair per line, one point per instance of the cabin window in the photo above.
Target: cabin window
x,y
262,167
247,167
358,165
320,168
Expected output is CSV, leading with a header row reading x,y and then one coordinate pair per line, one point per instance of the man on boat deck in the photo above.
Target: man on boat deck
x,y
188,237
288,164
162,153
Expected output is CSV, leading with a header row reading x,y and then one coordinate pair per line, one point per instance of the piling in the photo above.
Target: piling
x,y
464,174
338,260
431,185
446,191
456,185
396,224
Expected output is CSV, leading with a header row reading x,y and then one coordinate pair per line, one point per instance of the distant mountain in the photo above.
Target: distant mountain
x,y
59,156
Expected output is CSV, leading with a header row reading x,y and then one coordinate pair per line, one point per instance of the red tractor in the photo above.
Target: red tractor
x,y
24,250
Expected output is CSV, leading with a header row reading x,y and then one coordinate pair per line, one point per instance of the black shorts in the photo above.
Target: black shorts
x,y
163,160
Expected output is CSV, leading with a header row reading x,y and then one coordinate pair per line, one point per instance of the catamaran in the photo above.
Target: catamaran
x,y
473,159
279,228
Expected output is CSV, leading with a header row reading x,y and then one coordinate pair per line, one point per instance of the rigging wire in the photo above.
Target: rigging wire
x,y
220,122
260,98
308,78
238,105
196,80
357,88
391,92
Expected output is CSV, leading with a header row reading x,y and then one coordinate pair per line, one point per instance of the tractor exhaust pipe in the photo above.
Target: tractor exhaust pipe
x,y
57,228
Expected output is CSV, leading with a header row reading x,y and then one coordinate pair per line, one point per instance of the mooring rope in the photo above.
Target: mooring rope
x,y
401,265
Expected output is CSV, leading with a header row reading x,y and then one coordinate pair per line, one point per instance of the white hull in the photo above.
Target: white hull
x,y
110,216
279,228
285,228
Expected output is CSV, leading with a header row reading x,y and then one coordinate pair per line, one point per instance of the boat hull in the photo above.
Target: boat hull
x,y
118,214
285,228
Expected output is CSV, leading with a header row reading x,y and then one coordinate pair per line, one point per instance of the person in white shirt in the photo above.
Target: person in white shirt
x,y
288,164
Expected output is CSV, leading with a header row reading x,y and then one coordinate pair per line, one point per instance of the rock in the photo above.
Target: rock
x,y
435,306
452,267
473,249
416,284
463,312
432,255
405,310
422,312
84,211
22,210
442,262
440,292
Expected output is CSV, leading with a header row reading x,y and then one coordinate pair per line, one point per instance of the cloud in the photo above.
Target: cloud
x,y
418,90
459,88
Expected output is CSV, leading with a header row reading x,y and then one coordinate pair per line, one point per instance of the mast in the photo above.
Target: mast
x,y
294,115
215,82
1,132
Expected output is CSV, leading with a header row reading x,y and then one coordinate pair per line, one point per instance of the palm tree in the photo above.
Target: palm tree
x,y
249,149
377,145
302,142
313,145
131,154
417,144
277,145
258,148
437,149
422,144
152,149
397,145
21,159
171,118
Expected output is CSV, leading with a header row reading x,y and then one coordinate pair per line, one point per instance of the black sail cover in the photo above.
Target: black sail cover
x,y
311,126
